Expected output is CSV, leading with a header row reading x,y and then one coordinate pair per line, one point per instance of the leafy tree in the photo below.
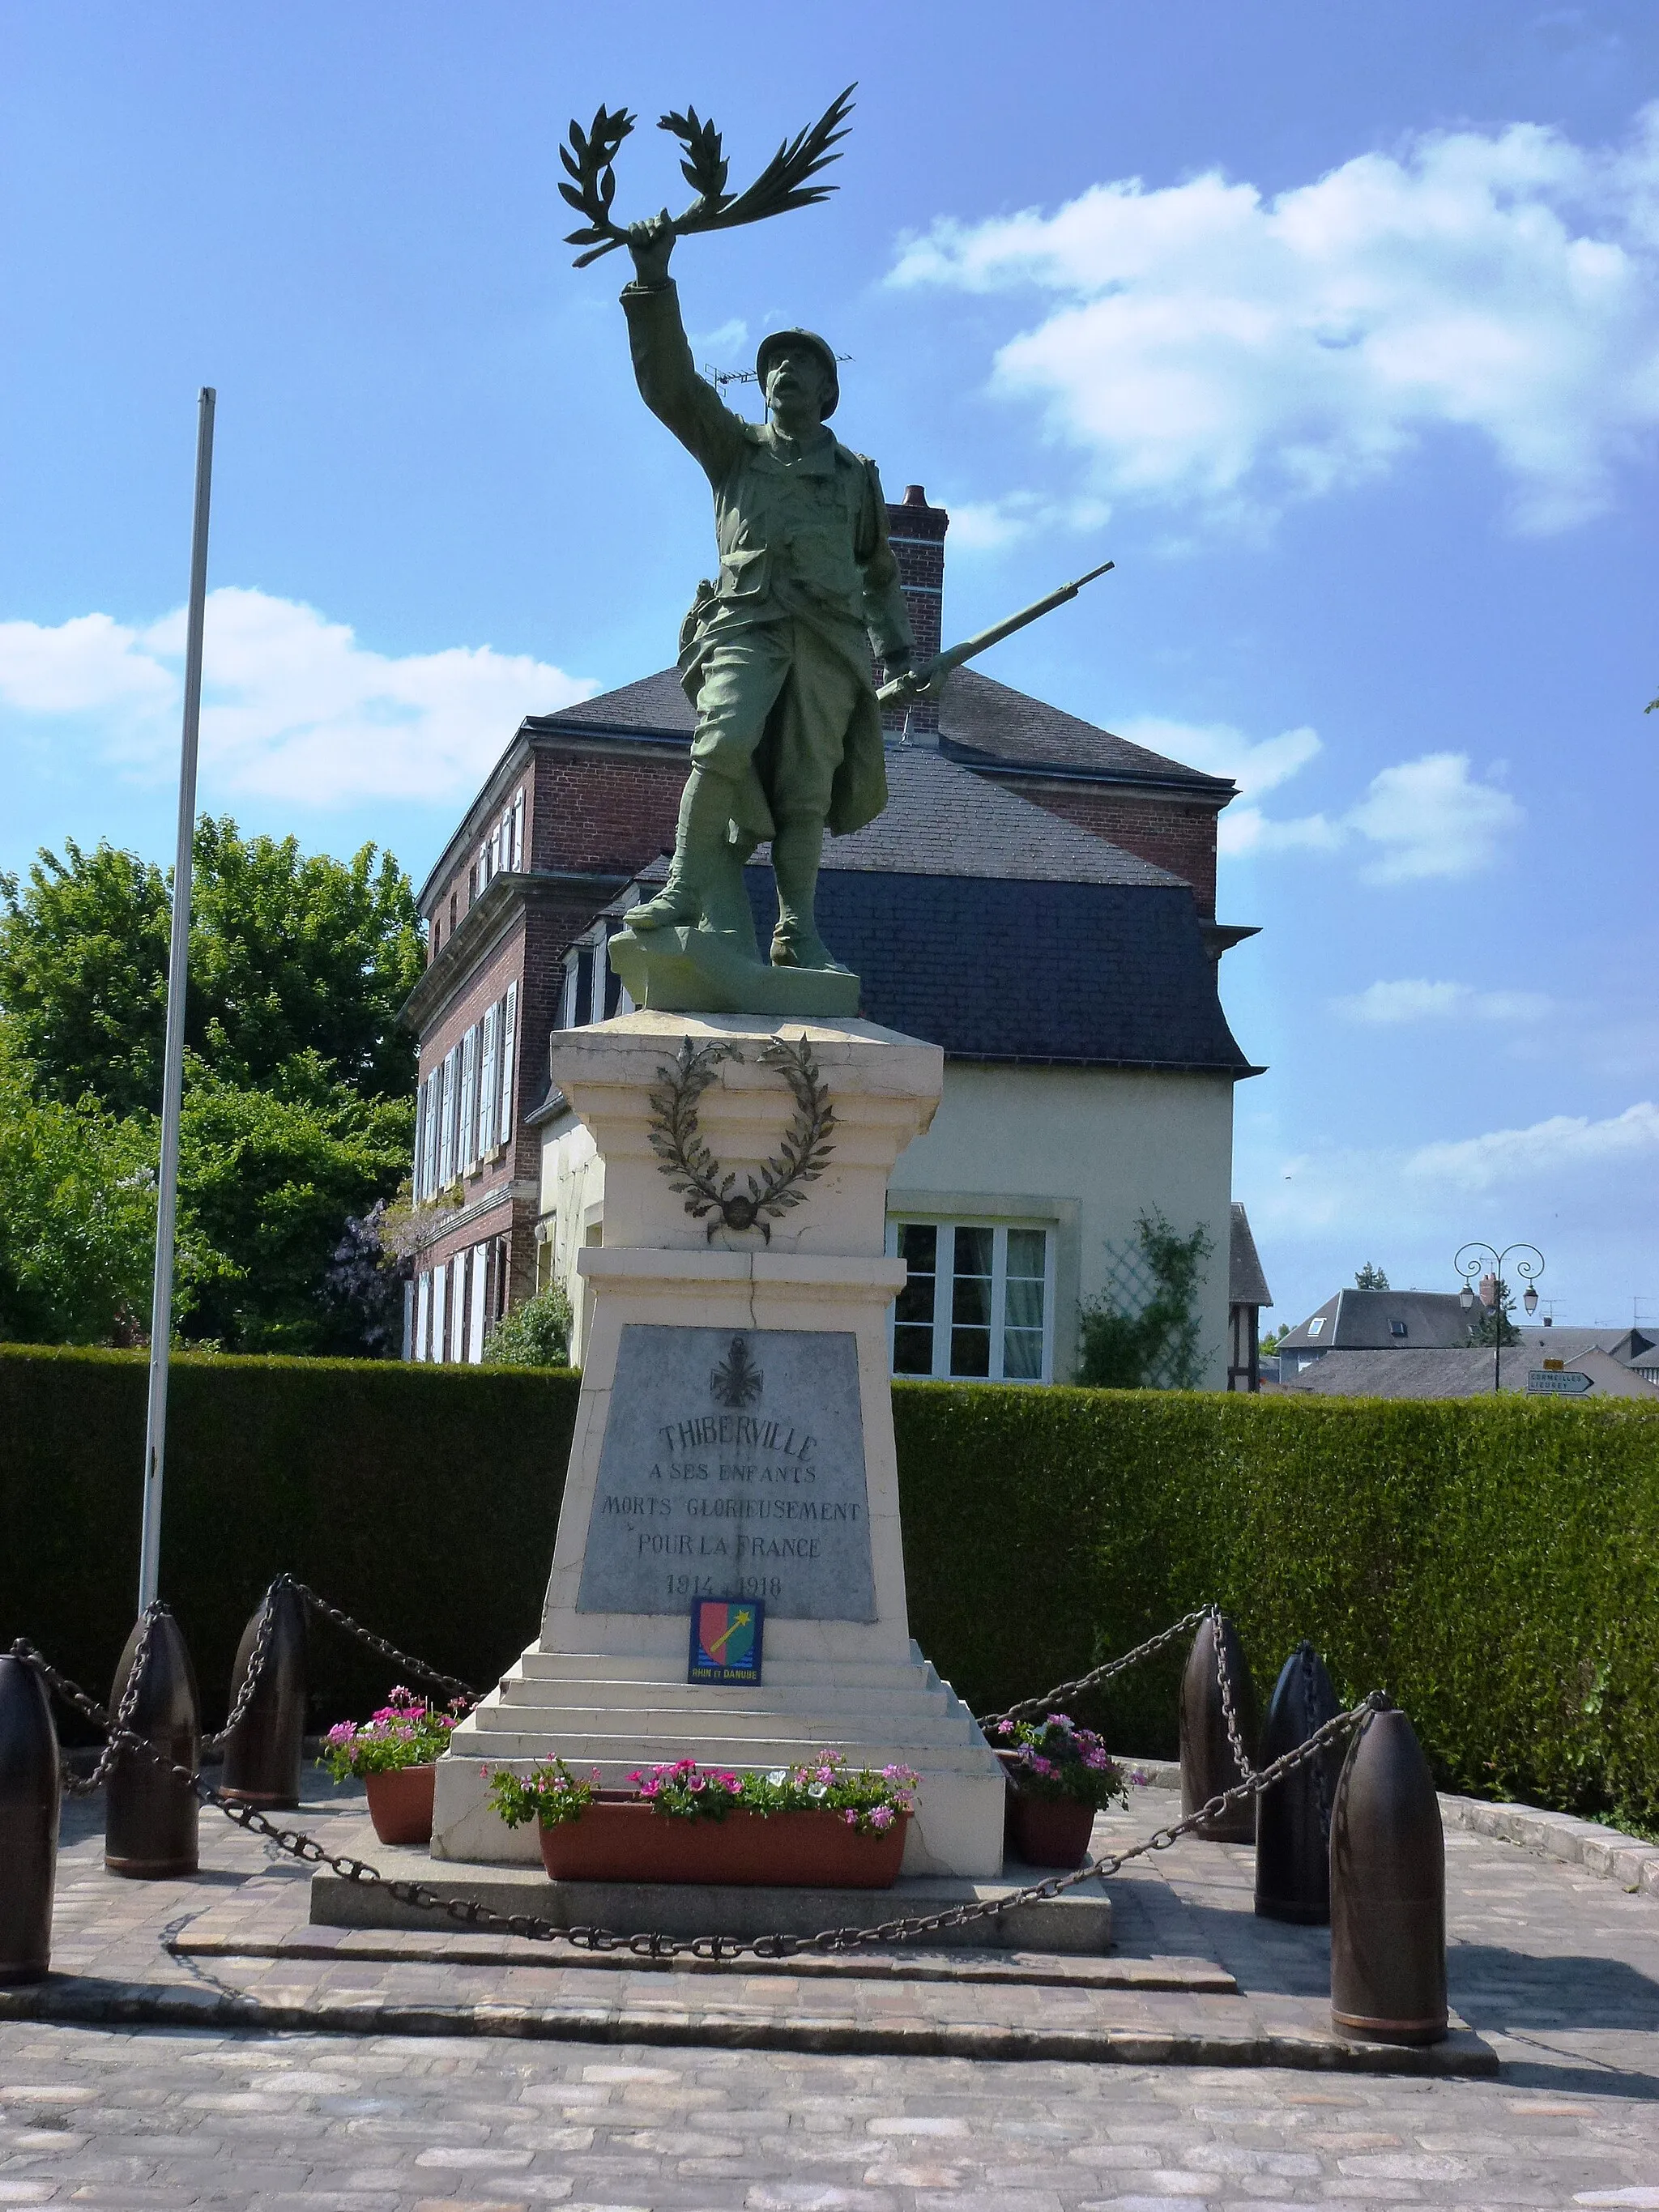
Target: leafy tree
x,y
78,1217
1491,1324
1370,1278
534,1334
267,1179
289,954
1158,1347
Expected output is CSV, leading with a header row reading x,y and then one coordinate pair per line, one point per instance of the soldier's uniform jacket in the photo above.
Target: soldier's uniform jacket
x,y
800,540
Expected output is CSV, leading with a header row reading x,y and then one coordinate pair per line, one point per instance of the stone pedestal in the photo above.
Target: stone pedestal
x,y
700,1468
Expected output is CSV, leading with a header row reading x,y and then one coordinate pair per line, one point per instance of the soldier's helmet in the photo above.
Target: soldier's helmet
x,y
821,347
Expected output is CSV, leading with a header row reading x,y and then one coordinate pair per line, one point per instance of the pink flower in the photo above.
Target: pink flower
x,y
851,1819
881,1819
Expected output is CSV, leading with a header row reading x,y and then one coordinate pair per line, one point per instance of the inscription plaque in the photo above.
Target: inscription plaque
x,y
732,1466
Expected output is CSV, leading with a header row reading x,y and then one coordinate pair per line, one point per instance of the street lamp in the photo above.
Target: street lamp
x,y
1477,1255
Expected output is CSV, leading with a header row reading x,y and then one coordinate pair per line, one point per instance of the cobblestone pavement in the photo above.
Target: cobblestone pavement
x,y
1558,1968
139,2118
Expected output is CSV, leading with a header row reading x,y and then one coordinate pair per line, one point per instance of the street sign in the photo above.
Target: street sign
x,y
1557,1383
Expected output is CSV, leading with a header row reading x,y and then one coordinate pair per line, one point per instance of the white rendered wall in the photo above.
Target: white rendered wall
x,y
1087,1149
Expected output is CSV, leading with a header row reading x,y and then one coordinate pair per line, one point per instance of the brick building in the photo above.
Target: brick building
x,y
582,803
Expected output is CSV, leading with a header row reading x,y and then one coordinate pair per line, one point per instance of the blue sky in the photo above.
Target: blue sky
x,y
1338,328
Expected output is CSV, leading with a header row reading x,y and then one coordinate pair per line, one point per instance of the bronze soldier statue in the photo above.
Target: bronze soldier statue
x,y
775,654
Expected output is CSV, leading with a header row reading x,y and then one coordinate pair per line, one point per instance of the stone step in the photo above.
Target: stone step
x,y
669,1730
616,1754
670,1708
783,1672
769,1696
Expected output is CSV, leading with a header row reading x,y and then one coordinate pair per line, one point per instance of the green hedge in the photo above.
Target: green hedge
x,y
421,1500
1493,1563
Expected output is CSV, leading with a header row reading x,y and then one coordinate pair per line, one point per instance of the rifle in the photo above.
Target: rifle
x,y
928,681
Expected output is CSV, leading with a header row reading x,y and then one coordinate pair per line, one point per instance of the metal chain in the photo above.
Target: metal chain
x,y
653,1943
1240,1757
400,1659
83,1786
1052,1698
256,1668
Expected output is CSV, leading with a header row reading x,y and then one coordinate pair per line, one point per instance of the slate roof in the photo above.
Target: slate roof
x,y
1359,1321
943,820
1247,1286
986,722
1466,1373
991,721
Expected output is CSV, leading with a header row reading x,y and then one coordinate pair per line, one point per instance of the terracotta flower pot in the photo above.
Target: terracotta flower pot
x,y
1050,1831
400,1803
617,1838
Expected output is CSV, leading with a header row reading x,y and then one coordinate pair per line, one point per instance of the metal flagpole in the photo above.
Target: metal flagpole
x,y
173,1075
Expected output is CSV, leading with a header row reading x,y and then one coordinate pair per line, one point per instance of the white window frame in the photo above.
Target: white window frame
x,y
944,1284
423,1314
446,1138
488,1088
598,978
567,991
509,1028
468,1147
518,828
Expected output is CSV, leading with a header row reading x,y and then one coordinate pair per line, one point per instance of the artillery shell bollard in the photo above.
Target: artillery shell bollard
x,y
1293,1815
151,1815
264,1750
1388,1889
1208,1764
29,1784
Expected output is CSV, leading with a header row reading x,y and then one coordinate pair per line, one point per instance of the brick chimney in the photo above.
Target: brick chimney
x,y
916,533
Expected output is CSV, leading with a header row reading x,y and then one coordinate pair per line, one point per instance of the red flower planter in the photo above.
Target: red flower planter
x,y
1050,1831
400,1803
617,1838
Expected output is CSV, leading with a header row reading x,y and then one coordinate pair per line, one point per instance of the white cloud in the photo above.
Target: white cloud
x,y
1422,818
1388,1006
1557,1147
730,337
293,706
1212,347
1568,1168
982,525
1256,765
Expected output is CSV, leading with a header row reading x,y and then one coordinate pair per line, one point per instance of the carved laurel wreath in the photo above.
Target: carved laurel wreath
x,y
690,1167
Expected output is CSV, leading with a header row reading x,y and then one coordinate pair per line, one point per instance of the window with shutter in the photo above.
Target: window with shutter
x,y
567,995
489,1080
600,973
509,1027
429,1161
423,1315
518,828
476,1308
447,1141
440,1280
468,1147
416,1177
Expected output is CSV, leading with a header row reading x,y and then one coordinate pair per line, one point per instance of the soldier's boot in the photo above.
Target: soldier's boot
x,y
796,850
699,840
725,909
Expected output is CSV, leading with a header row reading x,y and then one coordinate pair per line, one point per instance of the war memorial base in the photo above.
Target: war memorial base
x,y
734,1439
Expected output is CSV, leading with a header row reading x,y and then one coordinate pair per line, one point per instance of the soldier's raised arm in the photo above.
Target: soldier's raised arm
x,y
663,367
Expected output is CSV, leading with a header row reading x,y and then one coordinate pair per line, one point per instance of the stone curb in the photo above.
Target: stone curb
x,y
1599,1850
1626,1860
129,2005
